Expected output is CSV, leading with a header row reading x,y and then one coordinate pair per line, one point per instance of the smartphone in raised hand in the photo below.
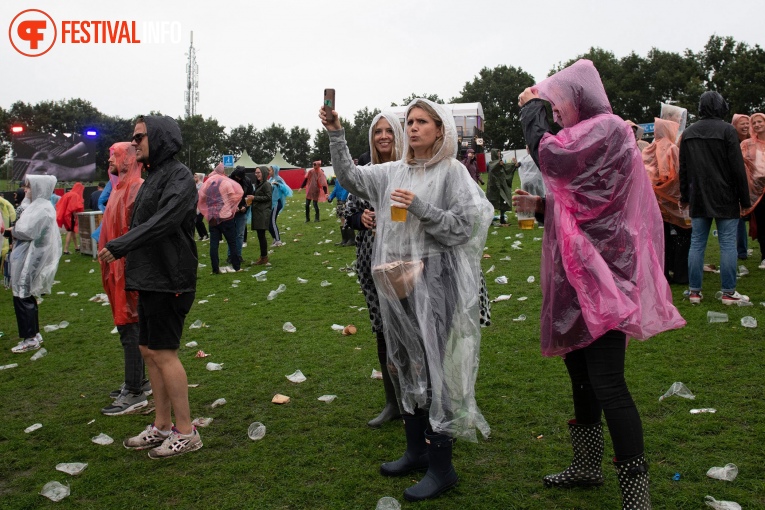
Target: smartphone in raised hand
x,y
329,104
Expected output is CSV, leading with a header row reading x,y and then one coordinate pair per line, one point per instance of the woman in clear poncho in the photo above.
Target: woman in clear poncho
x,y
662,162
753,150
602,246
219,197
34,259
426,271
386,143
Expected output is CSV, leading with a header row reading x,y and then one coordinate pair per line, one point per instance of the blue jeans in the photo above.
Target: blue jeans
x,y
726,236
226,229
240,223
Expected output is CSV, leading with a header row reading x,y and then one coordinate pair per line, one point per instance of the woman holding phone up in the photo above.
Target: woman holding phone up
x,y
431,224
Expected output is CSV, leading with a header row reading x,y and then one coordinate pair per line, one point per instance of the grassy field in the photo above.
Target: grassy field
x,y
322,455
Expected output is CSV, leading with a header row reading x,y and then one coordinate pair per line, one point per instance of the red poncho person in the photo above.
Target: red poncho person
x,y
68,207
116,222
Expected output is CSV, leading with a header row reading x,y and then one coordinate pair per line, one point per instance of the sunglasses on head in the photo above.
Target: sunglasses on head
x,y
138,137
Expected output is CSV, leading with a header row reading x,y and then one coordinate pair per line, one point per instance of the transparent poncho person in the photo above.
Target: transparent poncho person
x,y
430,315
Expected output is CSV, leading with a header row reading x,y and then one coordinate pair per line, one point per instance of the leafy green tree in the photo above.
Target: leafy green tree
x,y
735,70
240,139
298,148
497,90
204,143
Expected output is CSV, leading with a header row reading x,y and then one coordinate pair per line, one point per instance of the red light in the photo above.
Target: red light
x,y
17,129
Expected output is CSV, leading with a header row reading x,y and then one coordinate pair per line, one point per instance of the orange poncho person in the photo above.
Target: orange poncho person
x,y
68,207
116,222
662,160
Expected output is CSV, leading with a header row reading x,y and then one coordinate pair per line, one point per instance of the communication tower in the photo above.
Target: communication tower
x,y
192,80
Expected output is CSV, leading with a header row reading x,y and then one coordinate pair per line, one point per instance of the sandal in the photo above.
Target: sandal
x,y
67,253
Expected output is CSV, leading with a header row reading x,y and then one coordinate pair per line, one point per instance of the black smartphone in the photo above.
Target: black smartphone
x,y
329,104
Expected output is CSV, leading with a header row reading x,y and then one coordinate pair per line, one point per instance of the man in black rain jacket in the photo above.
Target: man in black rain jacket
x,y
162,266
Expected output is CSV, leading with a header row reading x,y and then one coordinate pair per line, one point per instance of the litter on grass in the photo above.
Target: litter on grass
x,y
214,366
710,410
338,327
280,399
388,503
376,374
202,422
71,468
32,428
197,324
102,439
296,376
349,330
522,298
325,283
289,328
749,322
54,491
39,354
98,298
491,269
721,505
714,317
503,297
256,431
281,288
201,354
728,473
191,344
55,327
506,258
301,280
327,398
678,389
219,402
202,301
520,318
530,279
501,280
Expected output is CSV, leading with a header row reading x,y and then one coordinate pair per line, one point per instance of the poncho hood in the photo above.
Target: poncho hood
x,y
576,92
398,135
449,147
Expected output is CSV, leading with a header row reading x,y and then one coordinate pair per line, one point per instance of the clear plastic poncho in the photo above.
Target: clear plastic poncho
x,y
662,162
675,114
219,196
116,222
531,177
753,150
603,247
36,241
433,334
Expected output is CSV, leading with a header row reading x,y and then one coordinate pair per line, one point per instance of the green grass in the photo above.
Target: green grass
x,y
318,455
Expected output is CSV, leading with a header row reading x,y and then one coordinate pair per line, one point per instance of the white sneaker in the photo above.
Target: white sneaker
x,y
734,298
244,245
762,265
177,444
26,345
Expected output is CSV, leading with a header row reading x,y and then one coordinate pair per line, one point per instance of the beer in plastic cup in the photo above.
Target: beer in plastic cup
x,y
686,215
397,213
525,220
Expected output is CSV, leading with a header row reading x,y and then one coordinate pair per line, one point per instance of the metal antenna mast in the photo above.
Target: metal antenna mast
x,y
192,80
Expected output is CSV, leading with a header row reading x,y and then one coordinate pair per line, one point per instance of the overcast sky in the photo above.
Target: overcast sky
x,y
267,61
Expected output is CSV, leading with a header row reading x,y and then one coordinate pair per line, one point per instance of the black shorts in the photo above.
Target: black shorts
x,y
160,318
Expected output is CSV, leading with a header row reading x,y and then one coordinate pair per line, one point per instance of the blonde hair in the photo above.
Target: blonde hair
x,y
422,105
377,158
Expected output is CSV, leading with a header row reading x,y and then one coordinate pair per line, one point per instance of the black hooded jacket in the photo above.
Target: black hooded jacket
x,y
712,174
160,248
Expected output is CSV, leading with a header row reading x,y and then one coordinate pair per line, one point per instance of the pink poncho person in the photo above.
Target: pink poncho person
x,y
603,247
219,196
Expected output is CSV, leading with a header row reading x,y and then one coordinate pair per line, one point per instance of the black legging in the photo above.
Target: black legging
x,y
26,316
676,246
200,224
759,217
262,242
598,385
308,209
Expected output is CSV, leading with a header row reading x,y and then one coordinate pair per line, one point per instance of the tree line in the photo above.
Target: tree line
x,y
635,85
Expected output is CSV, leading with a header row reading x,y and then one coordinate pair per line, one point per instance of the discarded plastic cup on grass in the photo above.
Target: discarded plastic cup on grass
x,y
491,269
261,276
214,366
256,431
388,503
713,317
745,303
102,439
71,468
50,327
376,374
337,327
196,324
501,280
301,280
327,398
710,410
503,297
749,322
39,354
742,271
325,283
727,473
520,318
678,389
219,402
296,376
6,367
32,428
289,328
191,344
202,422
530,279
54,491
721,505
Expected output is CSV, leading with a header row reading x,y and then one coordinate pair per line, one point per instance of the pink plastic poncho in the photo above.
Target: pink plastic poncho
x,y
662,162
219,196
116,222
753,150
316,182
603,248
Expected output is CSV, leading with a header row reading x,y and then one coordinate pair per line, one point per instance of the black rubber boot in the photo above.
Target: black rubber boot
x,y
416,455
586,468
441,475
390,411
350,240
633,481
